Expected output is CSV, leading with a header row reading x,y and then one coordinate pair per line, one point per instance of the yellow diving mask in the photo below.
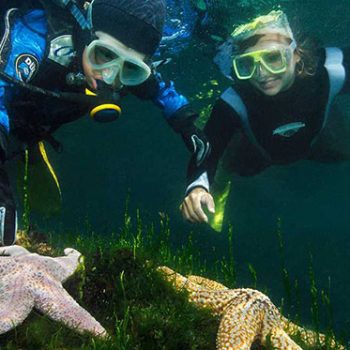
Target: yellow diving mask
x,y
275,60
109,58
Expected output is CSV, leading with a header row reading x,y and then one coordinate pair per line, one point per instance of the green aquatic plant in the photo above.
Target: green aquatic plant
x,y
320,302
228,266
253,275
121,288
26,209
205,98
122,336
285,275
315,314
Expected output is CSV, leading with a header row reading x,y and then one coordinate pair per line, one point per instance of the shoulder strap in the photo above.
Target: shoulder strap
x,y
336,74
231,97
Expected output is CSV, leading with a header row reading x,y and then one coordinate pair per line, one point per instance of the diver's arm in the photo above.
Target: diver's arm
x,y
177,112
181,117
220,128
163,94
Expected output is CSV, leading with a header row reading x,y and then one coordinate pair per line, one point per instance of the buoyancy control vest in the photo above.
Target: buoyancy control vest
x,y
40,95
59,71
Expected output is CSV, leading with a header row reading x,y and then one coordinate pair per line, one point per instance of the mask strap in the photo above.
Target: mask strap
x,y
89,14
293,44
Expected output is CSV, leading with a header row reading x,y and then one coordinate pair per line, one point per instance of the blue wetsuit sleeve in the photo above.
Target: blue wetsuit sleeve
x,y
175,106
177,112
168,99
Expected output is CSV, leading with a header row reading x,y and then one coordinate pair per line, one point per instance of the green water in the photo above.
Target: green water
x,y
140,154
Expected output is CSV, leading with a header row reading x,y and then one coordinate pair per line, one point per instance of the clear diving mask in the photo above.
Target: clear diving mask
x,y
112,61
275,60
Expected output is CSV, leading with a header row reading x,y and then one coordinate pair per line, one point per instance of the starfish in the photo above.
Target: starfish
x,y
247,315
30,281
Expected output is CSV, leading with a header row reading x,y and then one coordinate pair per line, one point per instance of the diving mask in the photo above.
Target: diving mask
x,y
110,59
275,60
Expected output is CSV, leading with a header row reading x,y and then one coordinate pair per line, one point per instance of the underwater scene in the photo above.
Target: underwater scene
x,y
174,174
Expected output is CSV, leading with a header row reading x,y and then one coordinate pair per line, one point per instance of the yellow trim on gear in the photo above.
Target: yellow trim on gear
x,y
258,22
216,220
104,106
89,93
48,164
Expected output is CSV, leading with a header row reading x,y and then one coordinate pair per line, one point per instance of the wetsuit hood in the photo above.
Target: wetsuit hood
x,y
138,24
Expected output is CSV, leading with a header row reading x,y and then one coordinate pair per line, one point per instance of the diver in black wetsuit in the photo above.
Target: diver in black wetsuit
x,y
52,51
277,113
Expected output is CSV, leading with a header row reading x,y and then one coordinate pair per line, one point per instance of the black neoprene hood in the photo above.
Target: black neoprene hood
x,y
138,24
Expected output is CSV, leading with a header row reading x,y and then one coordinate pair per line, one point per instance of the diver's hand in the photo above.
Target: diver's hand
x,y
192,206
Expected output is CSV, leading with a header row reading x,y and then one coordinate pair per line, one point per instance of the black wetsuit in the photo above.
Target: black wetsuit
x,y
304,102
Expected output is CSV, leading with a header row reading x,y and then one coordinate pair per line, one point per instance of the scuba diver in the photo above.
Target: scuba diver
x,y
277,112
183,18
61,60
191,22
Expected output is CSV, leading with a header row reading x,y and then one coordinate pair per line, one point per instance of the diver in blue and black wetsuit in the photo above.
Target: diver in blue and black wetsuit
x,y
182,21
51,50
276,113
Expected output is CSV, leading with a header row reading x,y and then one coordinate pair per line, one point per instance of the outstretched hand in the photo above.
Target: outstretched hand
x,y
193,205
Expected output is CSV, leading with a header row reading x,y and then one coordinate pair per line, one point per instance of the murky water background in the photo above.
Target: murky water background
x,y
140,153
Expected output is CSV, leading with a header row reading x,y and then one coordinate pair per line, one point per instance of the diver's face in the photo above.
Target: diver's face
x,y
268,83
93,76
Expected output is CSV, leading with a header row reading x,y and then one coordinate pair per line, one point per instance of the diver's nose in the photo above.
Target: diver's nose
x,y
260,71
117,85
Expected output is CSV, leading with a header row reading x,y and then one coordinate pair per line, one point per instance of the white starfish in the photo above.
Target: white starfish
x,y
30,281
